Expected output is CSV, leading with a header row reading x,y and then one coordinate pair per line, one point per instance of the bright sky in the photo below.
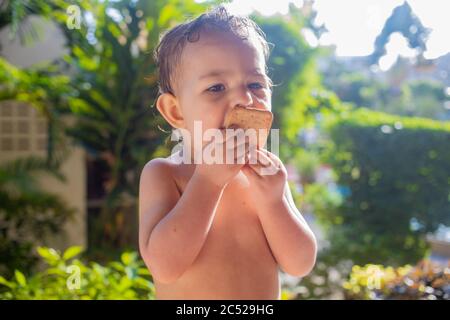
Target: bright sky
x,y
354,24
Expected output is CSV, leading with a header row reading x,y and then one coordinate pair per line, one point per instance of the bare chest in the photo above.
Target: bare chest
x,y
235,260
236,228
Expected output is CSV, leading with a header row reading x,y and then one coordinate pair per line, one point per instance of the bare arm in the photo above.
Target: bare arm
x,y
291,240
173,229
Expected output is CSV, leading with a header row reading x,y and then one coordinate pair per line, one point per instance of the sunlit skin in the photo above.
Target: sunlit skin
x,y
219,231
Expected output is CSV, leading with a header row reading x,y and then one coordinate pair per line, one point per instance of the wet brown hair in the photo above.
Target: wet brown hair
x,y
172,42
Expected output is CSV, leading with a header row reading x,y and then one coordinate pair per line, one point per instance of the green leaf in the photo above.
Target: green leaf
x,y
55,271
127,257
117,266
72,252
6,282
21,280
49,254
143,272
166,14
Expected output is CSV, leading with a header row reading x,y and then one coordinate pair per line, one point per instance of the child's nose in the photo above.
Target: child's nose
x,y
243,98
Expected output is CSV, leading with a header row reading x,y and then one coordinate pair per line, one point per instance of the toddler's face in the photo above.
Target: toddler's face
x,y
215,74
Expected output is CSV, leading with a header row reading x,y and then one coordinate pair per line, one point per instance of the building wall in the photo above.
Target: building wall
x,y
47,45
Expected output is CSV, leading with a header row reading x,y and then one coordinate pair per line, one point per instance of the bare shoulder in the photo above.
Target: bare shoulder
x,y
165,165
157,181
158,165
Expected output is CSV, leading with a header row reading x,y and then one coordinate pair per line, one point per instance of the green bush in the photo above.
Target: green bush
x,y
397,173
27,212
427,280
66,277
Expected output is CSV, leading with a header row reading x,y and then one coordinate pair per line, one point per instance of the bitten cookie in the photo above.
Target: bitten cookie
x,y
251,118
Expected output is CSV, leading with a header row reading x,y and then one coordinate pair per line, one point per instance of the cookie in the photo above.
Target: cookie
x,y
251,118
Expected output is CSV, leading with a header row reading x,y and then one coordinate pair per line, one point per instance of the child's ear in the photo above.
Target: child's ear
x,y
169,108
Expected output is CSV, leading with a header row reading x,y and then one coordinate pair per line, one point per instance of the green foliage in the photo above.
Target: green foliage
x,y
397,172
425,99
323,201
298,95
307,163
113,86
34,85
117,85
289,56
66,277
27,213
427,280
46,91
115,76
394,95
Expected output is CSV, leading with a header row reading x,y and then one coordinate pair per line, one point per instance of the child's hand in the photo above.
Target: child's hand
x,y
267,177
222,173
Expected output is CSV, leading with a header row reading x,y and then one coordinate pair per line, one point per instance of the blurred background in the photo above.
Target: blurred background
x,y
362,103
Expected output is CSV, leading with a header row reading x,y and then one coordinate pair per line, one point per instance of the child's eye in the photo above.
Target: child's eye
x,y
216,88
256,85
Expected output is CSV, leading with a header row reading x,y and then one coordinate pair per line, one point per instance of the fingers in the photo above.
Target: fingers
x,y
234,144
242,154
235,136
259,158
261,164
276,161
239,147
